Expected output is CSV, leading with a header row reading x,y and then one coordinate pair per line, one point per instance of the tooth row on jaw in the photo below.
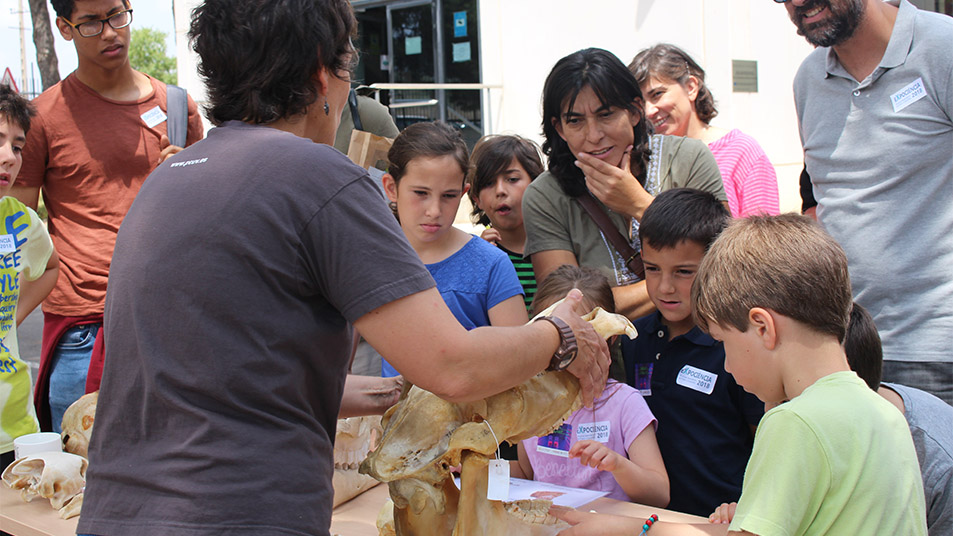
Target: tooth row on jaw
x,y
535,512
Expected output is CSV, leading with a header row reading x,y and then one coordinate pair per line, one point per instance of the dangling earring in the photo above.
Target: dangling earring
x,y
393,207
327,109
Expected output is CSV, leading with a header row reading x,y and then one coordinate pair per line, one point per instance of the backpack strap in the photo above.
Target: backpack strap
x,y
177,110
631,257
355,114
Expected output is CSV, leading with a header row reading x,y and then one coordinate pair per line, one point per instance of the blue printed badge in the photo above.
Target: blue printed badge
x,y
556,443
643,378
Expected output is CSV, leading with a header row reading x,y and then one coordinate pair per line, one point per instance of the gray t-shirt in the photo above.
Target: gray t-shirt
x,y
235,278
554,221
878,153
931,425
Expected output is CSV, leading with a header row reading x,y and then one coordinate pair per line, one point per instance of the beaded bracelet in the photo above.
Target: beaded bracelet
x,y
648,524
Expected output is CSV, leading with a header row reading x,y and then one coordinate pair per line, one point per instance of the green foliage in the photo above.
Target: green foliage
x,y
147,54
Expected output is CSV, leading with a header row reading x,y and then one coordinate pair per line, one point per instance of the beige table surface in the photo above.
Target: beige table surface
x,y
356,517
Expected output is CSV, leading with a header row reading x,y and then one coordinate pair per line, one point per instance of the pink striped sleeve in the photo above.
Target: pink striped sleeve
x,y
751,183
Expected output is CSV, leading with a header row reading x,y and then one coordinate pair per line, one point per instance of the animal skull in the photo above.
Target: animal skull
x,y
78,424
356,436
425,436
57,476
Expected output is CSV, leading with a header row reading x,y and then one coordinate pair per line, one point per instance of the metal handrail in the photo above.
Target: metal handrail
x,y
437,87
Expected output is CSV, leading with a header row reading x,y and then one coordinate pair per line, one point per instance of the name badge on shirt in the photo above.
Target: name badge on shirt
x,y
696,379
908,95
596,431
7,244
556,443
153,117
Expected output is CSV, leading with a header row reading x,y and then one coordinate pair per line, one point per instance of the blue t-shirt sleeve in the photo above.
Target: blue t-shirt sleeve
x,y
503,282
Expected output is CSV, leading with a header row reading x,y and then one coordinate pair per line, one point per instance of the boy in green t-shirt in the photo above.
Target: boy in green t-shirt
x,y
25,247
835,458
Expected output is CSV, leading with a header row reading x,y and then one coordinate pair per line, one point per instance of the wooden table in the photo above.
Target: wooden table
x,y
356,517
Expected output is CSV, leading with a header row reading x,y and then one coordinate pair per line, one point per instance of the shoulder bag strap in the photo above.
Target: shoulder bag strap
x,y
177,110
632,258
355,114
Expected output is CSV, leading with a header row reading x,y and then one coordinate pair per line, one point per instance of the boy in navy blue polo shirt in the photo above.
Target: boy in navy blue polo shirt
x,y
706,421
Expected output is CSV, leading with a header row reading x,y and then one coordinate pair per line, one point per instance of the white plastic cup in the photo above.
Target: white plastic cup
x,y
29,444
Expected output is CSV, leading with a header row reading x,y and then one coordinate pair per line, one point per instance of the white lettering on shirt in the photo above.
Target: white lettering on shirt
x,y
190,162
153,117
697,379
908,95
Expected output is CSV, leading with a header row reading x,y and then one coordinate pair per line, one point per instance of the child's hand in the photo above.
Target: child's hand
x,y
595,454
723,514
491,235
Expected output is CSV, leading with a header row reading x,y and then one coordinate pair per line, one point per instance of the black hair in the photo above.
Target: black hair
x,y
865,355
64,8
15,109
491,156
673,63
614,85
259,57
683,214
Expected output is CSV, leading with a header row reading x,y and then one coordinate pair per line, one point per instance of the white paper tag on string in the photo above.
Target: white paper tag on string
x,y
498,485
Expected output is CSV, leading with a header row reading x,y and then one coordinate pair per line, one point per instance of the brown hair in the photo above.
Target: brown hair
x,y
785,263
669,61
428,140
593,284
491,157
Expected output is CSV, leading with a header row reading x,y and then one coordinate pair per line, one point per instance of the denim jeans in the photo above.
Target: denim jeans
x,y
69,367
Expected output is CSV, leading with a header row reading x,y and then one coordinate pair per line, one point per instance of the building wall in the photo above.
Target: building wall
x,y
521,40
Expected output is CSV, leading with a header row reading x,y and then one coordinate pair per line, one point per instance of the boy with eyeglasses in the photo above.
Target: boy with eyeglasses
x,y
97,136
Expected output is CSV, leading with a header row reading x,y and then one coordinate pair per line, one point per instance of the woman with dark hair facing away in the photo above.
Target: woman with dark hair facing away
x,y
678,103
501,168
598,145
238,274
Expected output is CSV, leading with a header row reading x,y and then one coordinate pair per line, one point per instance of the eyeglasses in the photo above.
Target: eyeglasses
x,y
92,28
781,1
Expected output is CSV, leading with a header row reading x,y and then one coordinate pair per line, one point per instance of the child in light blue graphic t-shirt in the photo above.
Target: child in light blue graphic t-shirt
x,y
28,271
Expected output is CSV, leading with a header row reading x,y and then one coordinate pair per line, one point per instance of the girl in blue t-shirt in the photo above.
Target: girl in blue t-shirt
x,y
425,182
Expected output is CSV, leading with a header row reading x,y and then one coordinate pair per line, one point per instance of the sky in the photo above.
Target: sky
x,y
146,13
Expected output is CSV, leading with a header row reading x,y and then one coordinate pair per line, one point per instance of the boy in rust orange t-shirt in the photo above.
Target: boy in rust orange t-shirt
x,y
99,133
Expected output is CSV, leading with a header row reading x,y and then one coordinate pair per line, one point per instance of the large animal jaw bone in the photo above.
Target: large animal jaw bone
x,y
355,437
57,476
425,436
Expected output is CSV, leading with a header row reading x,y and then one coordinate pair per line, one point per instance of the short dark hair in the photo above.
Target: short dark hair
x,y
15,109
673,63
258,57
64,8
491,156
614,85
865,355
429,140
683,214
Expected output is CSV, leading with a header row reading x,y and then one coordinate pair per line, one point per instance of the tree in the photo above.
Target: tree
x,y
43,41
147,54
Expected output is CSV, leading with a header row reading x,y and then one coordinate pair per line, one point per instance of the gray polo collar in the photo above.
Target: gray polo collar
x,y
901,39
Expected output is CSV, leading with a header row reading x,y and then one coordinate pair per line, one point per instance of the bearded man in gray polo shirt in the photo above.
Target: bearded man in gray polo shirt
x,y
875,109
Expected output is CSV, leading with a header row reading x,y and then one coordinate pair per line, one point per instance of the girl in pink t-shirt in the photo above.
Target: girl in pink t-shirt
x,y
609,447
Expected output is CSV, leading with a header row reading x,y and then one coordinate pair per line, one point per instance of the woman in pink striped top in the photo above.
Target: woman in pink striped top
x,y
678,103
